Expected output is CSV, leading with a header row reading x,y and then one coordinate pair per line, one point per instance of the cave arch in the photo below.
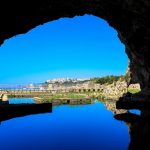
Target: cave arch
x,y
129,18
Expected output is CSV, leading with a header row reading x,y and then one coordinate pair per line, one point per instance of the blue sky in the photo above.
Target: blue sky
x,y
79,47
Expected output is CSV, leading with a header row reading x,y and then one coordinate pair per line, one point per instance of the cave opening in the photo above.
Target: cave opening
x,y
81,47
129,19
84,46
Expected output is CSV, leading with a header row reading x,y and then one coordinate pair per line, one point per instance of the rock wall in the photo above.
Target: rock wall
x,y
117,89
130,18
114,91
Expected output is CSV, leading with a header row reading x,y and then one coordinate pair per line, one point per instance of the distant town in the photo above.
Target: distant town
x,y
54,84
66,84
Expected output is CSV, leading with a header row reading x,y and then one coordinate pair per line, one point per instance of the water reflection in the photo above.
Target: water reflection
x,y
138,123
9,111
21,101
19,107
138,128
72,123
89,127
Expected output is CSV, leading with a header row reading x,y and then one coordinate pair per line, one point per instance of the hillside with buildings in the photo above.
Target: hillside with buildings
x,y
111,87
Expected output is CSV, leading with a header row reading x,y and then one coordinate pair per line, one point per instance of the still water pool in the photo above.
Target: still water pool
x,y
86,127
21,101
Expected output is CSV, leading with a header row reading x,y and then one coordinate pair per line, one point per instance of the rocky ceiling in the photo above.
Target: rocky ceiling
x,y
131,19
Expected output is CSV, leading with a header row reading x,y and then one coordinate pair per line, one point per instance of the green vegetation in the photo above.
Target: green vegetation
x,y
133,91
108,79
64,95
65,98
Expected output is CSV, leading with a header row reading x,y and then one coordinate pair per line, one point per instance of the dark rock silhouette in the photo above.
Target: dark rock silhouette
x,y
9,111
128,117
139,129
134,101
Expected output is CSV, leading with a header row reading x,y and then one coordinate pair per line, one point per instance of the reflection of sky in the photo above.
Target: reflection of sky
x,y
78,47
88,127
21,100
135,111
